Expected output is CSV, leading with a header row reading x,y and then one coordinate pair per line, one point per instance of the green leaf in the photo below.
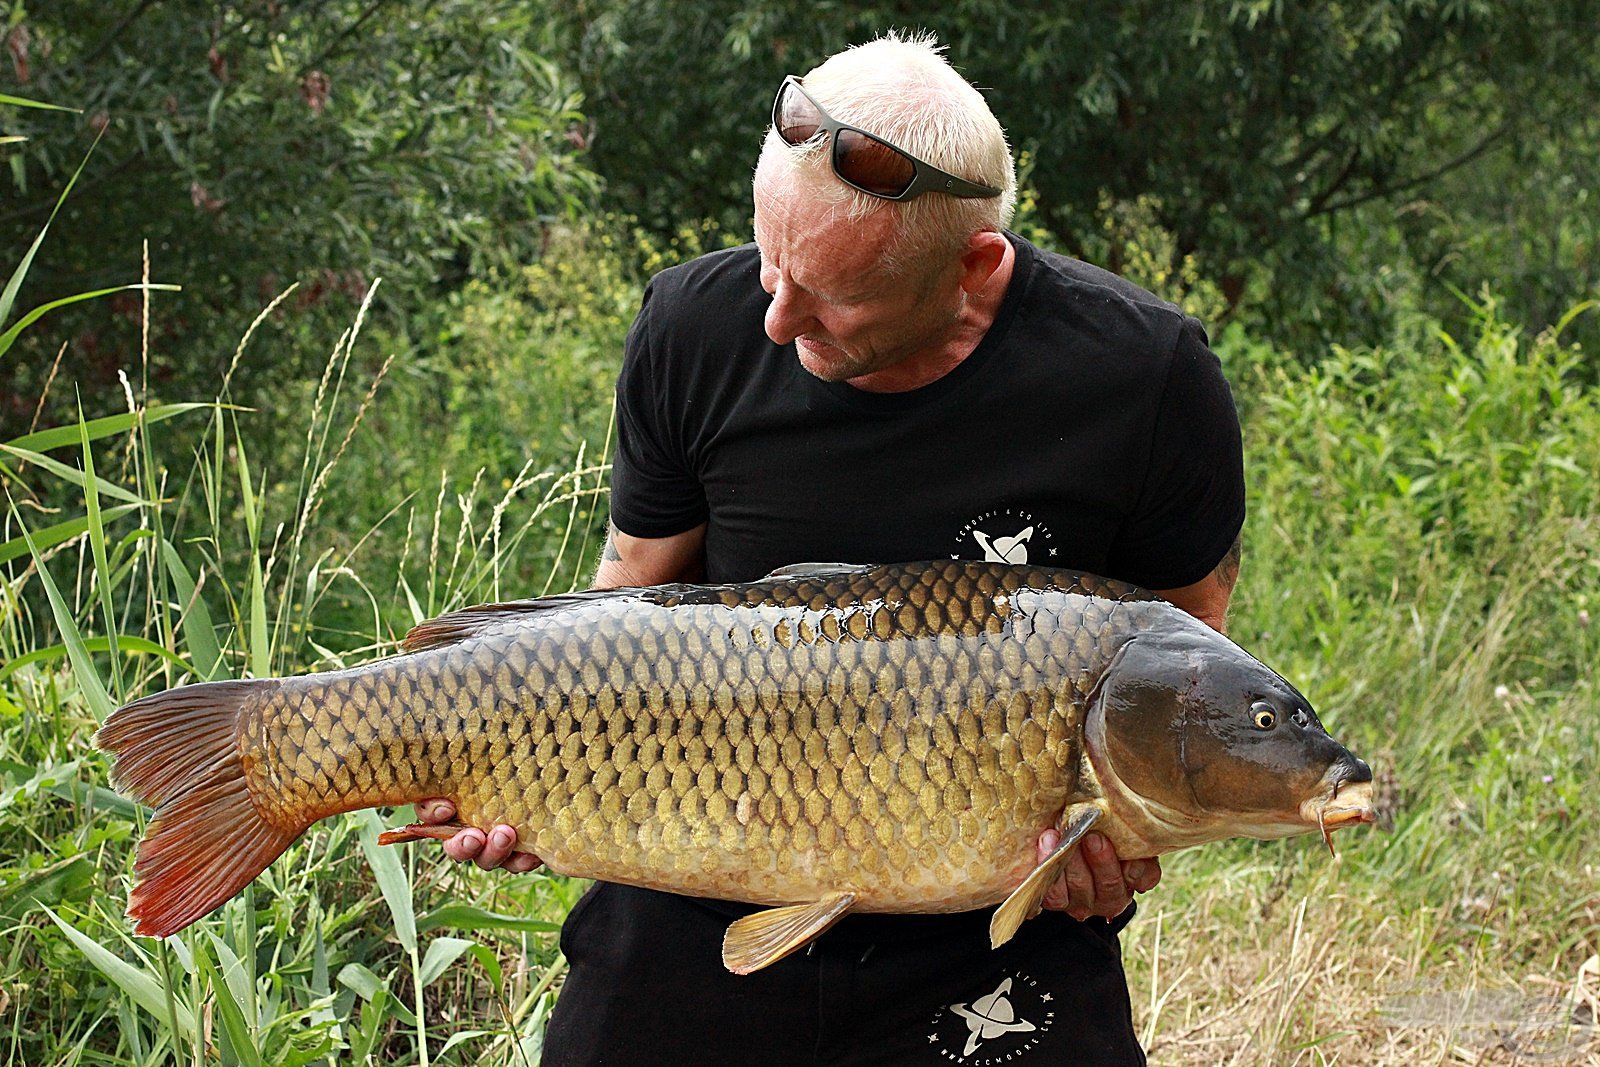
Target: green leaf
x,y
198,631
9,338
18,101
467,917
139,984
442,952
1572,313
374,990
233,972
61,532
461,1037
8,296
69,879
105,426
319,984
391,877
94,692
126,645
360,978
67,474
97,549
62,780
373,1015
491,965
234,1026
260,645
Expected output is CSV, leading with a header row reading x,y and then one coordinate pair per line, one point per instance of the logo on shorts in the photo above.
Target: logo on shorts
x,y
1006,535
999,1027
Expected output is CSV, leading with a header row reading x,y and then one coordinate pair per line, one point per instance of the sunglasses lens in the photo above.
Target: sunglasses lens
x,y
871,164
796,118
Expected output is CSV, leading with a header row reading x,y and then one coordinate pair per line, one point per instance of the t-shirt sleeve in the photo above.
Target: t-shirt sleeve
x,y
654,490
1191,504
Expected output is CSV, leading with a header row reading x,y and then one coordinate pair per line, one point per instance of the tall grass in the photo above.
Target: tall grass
x,y
1421,559
220,571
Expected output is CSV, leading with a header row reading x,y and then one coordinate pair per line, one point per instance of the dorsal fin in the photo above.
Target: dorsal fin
x,y
811,570
456,626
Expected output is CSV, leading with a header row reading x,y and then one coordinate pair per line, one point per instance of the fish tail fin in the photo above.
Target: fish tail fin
x,y
178,751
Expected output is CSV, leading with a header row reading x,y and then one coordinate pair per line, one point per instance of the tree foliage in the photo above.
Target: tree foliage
x,y
1253,128
256,142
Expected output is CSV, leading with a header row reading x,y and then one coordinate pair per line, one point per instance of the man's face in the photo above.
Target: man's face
x,y
846,315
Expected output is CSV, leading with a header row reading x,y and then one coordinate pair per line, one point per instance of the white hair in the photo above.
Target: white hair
x,y
902,89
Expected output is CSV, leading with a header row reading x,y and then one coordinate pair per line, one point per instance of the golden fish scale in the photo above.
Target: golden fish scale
x,y
900,732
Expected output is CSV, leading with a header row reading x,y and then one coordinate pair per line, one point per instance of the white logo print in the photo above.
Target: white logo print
x,y
998,1028
990,1017
1007,535
1004,549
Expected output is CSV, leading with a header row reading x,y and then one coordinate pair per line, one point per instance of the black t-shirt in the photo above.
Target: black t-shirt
x,y
1091,428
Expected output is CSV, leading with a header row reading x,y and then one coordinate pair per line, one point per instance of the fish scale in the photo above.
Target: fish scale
x,y
828,739
895,732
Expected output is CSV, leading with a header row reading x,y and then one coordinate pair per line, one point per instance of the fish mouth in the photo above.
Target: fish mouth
x,y
1347,804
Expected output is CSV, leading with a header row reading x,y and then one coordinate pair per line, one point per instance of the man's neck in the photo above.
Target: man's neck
x,y
966,332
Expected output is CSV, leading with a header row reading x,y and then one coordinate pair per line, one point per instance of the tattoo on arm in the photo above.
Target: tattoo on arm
x,y
609,553
1228,569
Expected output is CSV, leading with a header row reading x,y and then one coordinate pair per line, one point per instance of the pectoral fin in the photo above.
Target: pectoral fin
x,y
439,831
1026,900
764,938
816,570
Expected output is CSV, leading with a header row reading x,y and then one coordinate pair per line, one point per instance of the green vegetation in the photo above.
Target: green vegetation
x,y
1303,154
258,144
1420,558
252,479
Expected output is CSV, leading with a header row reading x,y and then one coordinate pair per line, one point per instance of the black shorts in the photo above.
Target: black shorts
x,y
647,986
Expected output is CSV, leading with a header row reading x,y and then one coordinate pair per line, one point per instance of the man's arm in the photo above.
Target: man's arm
x,y
628,560
1207,599
1095,881
625,561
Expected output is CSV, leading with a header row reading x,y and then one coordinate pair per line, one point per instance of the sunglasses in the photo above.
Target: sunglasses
x,y
861,160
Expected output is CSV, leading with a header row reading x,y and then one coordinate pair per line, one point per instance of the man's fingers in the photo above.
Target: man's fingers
x,y
1110,891
501,840
466,845
435,811
523,862
1075,887
1142,875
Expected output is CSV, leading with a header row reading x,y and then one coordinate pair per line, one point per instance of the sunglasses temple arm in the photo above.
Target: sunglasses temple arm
x,y
963,188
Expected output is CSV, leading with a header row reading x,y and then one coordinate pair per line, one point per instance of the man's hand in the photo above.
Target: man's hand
x,y
488,851
1095,881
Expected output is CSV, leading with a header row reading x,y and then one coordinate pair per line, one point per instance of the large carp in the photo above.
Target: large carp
x,y
827,739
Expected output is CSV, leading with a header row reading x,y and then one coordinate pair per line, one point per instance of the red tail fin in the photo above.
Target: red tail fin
x,y
179,752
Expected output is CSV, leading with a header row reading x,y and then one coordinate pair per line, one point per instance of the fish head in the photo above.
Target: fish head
x,y
1194,740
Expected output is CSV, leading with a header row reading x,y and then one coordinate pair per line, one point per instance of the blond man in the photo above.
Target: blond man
x,y
887,374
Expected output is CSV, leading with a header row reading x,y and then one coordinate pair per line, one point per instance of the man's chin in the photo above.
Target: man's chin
x,y
825,361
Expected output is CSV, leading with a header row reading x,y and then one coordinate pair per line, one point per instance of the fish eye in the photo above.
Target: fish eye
x,y
1263,715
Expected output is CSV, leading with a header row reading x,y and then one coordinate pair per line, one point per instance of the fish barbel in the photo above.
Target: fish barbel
x,y
825,740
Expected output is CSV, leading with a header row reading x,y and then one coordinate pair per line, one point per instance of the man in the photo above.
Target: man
x,y
887,375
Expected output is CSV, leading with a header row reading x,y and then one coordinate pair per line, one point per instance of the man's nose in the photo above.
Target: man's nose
x,y
786,319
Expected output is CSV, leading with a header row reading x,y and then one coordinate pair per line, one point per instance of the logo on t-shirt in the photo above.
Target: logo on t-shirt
x,y
1006,535
1000,1026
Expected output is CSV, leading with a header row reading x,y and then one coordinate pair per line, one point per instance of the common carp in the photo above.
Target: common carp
x,y
827,739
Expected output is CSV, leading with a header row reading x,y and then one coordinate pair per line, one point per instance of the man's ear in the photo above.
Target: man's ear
x,y
984,253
